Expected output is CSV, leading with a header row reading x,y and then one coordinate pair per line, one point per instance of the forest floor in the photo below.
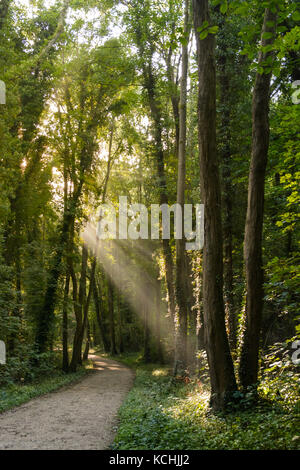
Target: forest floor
x,y
162,412
81,416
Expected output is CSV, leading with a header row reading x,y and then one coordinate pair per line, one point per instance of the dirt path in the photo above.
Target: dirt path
x,y
81,416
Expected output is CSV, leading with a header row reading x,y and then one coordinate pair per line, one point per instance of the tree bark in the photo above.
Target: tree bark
x,y
121,323
47,313
79,306
248,368
155,110
84,304
225,155
99,315
65,364
156,116
160,354
88,342
180,366
219,358
147,356
85,323
111,311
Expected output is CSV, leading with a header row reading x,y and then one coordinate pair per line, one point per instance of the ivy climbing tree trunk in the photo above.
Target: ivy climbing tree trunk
x,y
79,308
180,366
141,31
111,313
99,307
227,202
65,364
219,358
46,317
248,367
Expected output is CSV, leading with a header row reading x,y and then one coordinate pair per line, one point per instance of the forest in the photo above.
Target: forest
x,y
190,107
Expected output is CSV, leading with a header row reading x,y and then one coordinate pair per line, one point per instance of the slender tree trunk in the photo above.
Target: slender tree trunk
x,y
88,342
174,94
147,348
46,317
84,304
99,315
79,305
225,155
180,366
120,321
248,370
160,353
155,110
96,338
163,191
47,313
93,286
192,347
65,364
112,329
219,358
86,324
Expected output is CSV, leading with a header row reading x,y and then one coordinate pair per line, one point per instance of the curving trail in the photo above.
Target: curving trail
x,y
81,416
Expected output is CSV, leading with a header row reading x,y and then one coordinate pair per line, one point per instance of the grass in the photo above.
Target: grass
x,y
17,394
132,360
162,413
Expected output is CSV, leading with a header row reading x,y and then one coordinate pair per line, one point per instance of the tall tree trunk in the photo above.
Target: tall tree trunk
x,y
160,354
225,155
88,342
174,93
93,286
248,369
120,322
99,315
85,324
156,116
46,317
180,366
79,305
111,311
155,110
84,304
219,358
65,364
147,348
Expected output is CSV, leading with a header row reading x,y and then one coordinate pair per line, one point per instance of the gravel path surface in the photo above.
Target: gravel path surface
x,y
81,416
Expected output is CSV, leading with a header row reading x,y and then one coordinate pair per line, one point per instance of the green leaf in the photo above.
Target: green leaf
x,y
213,29
296,16
204,25
281,29
183,41
224,7
267,48
268,35
204,34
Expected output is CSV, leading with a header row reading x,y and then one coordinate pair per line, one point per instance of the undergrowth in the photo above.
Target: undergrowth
x,y
164,413
15,394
